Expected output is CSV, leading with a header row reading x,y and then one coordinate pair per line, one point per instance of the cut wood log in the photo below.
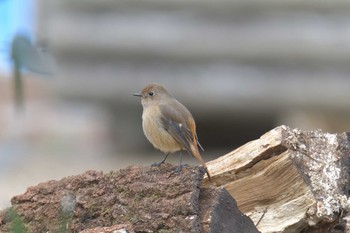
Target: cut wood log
x,y
143,199
288,180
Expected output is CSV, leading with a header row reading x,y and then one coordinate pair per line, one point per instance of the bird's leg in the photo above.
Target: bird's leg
x,y
157,164
179,168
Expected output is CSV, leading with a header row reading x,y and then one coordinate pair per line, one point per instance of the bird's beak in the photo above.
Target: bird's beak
x,y
137,94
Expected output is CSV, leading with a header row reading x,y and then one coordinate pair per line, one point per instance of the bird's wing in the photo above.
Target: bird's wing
x,y
179,123
175,123
199,145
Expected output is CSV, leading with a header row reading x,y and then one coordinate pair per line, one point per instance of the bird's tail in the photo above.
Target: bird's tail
x,y
198,156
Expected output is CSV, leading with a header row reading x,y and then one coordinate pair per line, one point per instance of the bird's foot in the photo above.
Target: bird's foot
x,y
178,169
157,164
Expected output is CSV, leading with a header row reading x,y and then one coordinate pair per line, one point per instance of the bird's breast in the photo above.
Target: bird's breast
x,y
155,132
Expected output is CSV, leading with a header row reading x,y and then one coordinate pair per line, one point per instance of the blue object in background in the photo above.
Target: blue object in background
x,y
16,17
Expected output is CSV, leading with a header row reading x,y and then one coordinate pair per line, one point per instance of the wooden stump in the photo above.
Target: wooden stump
x,y
138,199
288,180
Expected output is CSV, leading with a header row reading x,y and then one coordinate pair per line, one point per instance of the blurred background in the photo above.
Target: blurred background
x,y
241,67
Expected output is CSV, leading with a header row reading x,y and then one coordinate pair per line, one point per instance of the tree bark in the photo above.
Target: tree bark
x,y
138,199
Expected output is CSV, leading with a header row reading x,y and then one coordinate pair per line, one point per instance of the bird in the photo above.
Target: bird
x,y
168,125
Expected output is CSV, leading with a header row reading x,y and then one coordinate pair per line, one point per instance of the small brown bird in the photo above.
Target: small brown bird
x,y
168,124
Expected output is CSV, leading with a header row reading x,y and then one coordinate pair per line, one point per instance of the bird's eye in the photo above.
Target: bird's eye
x,y
151,93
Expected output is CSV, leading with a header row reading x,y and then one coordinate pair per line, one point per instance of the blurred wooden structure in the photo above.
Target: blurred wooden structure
x,y
252,49
287,61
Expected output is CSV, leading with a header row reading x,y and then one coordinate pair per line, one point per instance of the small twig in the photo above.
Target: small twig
x,y
263,214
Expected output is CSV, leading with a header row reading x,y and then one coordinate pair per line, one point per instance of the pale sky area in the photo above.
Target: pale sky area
x,y
16,17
